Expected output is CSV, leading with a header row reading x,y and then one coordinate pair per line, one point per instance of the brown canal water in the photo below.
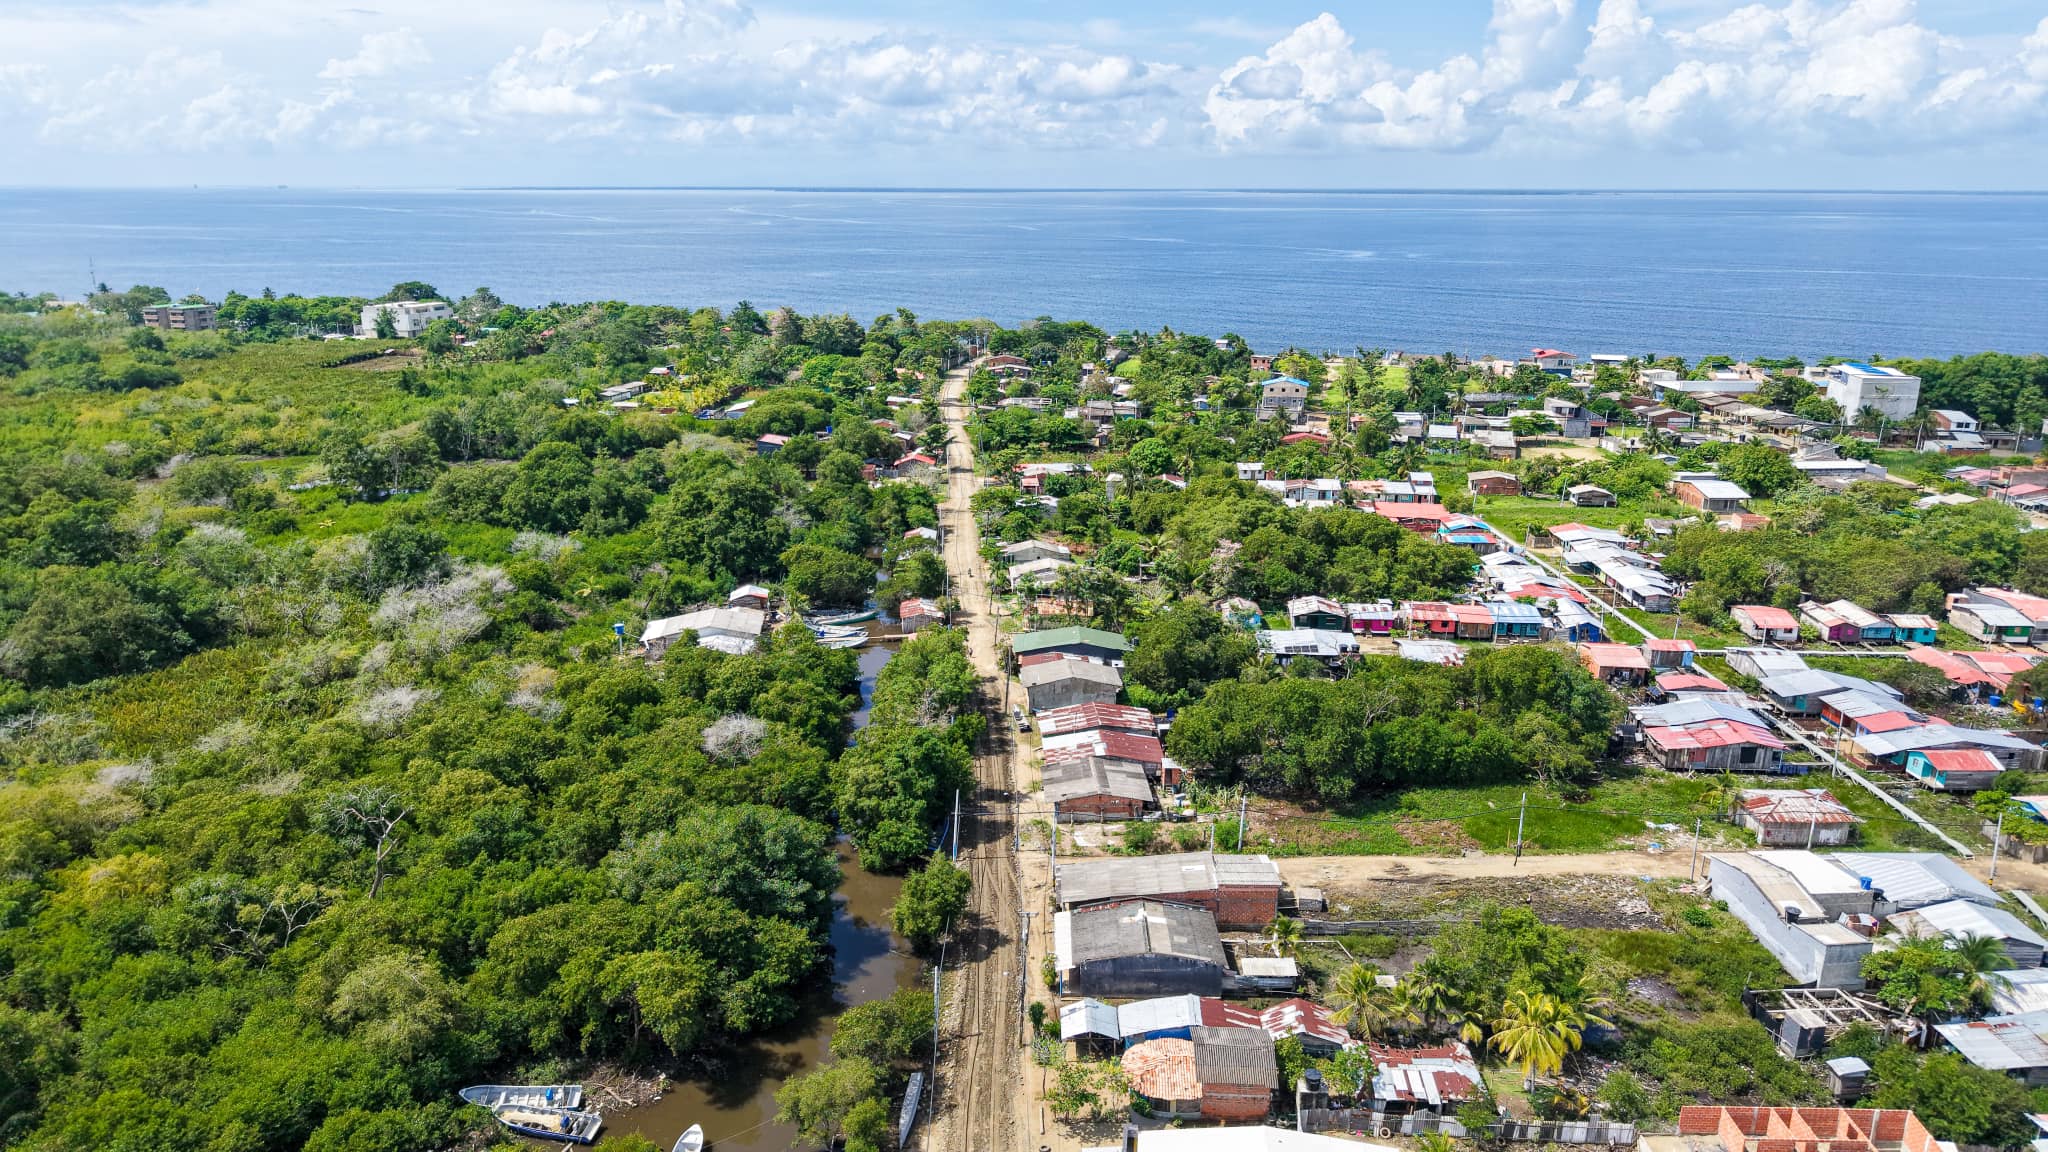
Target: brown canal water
x,y
736,1103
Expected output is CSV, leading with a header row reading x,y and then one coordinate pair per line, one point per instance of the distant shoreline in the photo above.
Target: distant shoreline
x,y
998,190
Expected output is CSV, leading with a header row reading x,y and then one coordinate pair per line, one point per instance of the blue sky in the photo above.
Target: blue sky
x,y
1199,93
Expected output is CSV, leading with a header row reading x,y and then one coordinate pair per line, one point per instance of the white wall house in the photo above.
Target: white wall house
x,y
409,317
1856,386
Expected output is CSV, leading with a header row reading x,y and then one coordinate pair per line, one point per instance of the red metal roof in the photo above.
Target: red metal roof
x,y
1106,742
2035,607
1471,614
1887,722
1223,1014
1962,760
1806,806
1083,717
1424,610
1615,656
1765,616
1658,644
1298,1017
1690,682
1713,734
1396,511
1958,670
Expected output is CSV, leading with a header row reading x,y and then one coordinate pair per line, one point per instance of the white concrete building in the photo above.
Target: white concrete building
x,y
409,317
1856,386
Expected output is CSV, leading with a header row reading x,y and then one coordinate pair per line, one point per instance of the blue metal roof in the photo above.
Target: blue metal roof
x,y
1510,612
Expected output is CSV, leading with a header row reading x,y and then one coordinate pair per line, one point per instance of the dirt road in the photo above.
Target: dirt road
x,y
1355,871
980,1068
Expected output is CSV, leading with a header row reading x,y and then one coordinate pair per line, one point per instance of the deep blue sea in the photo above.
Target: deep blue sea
x,y
1690,273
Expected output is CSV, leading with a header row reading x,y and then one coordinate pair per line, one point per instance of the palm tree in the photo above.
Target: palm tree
x,y
1432,999
1286,936
1535,1031
1359,1001
1982,961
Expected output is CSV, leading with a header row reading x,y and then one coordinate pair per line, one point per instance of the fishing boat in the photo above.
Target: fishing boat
x,y
545,1095
550,1123
692,1140
548,1111
835,636
844,618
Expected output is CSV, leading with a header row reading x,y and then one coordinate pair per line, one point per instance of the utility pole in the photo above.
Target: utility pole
x,y
1812,822
956,825
1520,819
1692,869
1997,838
1243,808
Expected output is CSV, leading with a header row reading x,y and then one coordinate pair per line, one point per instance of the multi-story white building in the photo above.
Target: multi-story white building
x,y
1856,386
409,317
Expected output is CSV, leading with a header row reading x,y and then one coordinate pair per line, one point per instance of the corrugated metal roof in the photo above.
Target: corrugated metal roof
x,y
1082,717
1959,919
1143,929
2001,1043
1073,779
1915,878
1108,742
1298,1017
1087,1017
1068,637
1818,682
2021,990
1087,881
1051,672
1159,1014
1939,736
1765,616
1235,1056
1424,1075
1681,713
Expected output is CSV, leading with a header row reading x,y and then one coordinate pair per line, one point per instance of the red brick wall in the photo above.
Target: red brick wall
x,y
1246,907
1231,1102
1099,807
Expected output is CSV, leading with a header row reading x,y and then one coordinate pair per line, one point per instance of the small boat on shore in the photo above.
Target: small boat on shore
x,y
550,1123
692,1139
545,1095
845,618
546,1111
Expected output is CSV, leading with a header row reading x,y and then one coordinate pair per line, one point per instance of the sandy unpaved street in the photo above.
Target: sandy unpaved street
x,y
981,1081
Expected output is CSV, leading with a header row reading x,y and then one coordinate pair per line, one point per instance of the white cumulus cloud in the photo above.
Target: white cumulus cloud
x,y
1865,75
381,54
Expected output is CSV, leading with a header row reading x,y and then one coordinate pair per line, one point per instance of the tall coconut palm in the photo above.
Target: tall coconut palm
x,y
1360,1003
1536,1032
1983,962
1433,1000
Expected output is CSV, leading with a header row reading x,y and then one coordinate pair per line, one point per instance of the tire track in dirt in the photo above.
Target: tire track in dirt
x,y
979,1060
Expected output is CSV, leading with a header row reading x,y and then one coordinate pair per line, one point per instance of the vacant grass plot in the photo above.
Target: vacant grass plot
x,y
1621,812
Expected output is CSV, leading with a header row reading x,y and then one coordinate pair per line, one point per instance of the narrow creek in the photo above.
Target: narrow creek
x,y
737,1105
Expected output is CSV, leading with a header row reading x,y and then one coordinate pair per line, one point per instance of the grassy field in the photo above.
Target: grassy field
x,y
1614,813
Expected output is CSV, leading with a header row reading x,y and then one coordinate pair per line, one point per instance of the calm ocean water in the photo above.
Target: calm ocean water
x,y
1807,274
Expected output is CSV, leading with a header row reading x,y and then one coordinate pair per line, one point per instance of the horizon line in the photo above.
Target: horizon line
x,y
1474,190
